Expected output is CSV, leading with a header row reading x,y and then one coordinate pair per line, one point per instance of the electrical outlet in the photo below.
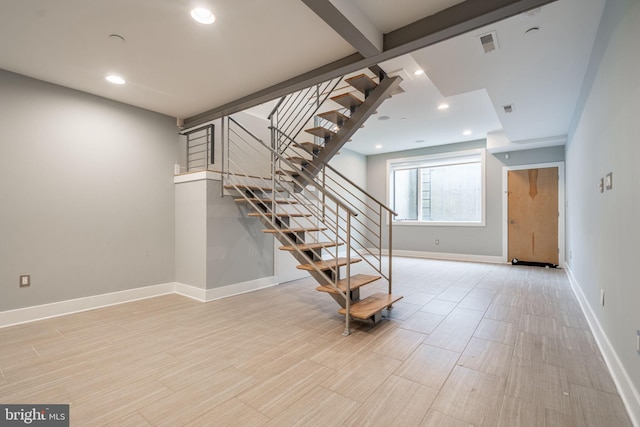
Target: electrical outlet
x,y
602,297
638,341
25,280
437,241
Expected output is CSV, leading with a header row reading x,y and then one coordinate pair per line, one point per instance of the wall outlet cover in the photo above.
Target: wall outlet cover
x,y
25,280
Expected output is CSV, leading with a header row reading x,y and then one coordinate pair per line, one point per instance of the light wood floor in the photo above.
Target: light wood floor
x,y
470,344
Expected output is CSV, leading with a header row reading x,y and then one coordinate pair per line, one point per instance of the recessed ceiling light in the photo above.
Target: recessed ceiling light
x,y
418,72
443,106
116,80
378,146
384,118
203,16
467,132
532,30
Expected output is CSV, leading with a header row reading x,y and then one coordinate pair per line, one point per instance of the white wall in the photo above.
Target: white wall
x,y
86,194
603,230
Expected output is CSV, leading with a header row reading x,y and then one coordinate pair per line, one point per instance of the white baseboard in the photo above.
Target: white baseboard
x,y
241,288
61,308
627,390
447,256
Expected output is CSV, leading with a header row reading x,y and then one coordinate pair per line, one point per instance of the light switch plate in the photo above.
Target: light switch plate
x,y
609,181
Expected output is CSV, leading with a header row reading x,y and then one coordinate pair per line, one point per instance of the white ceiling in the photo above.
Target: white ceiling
x,y
180,68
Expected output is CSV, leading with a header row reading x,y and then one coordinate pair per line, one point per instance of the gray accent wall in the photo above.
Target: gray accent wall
x,y
603,230
466,240
216,243
86,194
237,249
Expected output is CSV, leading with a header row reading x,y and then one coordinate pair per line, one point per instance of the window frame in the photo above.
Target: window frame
x,y
440,159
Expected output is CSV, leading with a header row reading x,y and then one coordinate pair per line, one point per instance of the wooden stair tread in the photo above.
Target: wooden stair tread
x,y
256,200
347,100
334,116
320,131
251,187
369,306
299,160
356,281
281,215
310,246
309,147
326,264
294,230
362,82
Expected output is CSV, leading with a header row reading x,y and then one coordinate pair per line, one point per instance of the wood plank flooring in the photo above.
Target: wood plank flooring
x,y
469,345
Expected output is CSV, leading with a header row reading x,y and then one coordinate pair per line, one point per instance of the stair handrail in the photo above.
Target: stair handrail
x,y
270,116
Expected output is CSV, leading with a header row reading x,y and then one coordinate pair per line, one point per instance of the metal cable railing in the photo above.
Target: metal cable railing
x,y
371,228
339,217
200,146
305,212
295,111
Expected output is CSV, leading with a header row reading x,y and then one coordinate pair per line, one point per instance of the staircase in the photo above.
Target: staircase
x,y
323,219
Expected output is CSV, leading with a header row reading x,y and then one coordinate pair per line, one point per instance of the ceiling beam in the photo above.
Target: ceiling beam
x,y
454,21
348,21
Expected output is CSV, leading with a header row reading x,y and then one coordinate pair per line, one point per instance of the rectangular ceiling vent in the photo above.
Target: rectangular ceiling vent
x,y
488,42
508,108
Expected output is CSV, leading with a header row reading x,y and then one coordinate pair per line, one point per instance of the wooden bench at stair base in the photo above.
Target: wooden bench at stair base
x,y
357,281
371,307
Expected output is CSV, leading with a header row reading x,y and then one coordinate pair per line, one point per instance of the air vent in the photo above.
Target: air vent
x,y
488,42
509,108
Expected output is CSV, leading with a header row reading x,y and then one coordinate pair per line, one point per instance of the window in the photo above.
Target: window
x,y
440,189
